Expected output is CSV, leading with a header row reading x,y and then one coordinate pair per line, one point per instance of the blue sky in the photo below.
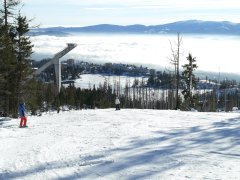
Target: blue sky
x,y
125,12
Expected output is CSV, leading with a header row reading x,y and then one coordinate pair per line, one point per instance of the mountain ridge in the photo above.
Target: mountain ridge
x,y
183,27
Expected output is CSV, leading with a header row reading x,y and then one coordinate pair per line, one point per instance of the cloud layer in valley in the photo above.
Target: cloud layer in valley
x,y
215,53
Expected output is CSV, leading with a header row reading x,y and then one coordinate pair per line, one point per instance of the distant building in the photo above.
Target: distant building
x,y
70,62
152,71
108,65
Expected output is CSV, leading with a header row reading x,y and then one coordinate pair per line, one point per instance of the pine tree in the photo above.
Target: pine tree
x,y
2,77
7,69
7,58
23,50
190,81
15,50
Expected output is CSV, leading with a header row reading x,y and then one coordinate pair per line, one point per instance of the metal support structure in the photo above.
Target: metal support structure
x,y
57,67
57,64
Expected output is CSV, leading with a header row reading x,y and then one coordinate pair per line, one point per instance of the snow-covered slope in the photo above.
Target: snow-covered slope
x,y
125,144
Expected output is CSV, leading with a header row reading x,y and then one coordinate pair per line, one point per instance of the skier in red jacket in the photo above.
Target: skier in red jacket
x,y
21,110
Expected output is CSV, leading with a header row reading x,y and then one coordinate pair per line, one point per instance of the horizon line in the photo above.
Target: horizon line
x,y
133,24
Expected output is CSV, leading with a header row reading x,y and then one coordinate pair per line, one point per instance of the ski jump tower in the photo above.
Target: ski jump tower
x,y
57,64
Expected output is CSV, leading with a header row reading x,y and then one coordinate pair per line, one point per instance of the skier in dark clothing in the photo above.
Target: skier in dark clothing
x,y
117,103
21,110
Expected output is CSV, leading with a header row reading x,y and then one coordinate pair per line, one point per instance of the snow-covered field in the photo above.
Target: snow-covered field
x,y
87,81
126,144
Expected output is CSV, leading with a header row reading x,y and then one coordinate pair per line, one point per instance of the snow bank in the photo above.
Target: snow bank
x,y
126,144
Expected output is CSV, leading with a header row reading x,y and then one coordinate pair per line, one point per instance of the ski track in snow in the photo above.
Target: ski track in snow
x,y
126,144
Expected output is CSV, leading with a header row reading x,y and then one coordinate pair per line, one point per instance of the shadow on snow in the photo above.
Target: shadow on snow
x,y
150,156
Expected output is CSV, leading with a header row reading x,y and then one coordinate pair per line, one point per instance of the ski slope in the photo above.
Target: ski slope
x,y
126,144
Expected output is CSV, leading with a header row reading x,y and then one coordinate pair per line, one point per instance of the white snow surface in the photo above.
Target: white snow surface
x,y
87,81
126,144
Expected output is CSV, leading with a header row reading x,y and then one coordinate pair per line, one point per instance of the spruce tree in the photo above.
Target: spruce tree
x,y
7,69
15,50
190,81
2,77
7,59
23,50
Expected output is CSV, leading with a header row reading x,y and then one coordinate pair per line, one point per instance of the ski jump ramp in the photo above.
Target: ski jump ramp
x,y
57,64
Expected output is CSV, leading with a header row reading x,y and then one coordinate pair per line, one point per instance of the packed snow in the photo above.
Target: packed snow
x,y
126,144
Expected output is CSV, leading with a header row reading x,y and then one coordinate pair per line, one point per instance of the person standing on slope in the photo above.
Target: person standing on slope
x,y
117,103
22,113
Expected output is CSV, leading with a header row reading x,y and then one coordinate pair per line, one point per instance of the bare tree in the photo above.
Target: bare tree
x,y
175,61
9,6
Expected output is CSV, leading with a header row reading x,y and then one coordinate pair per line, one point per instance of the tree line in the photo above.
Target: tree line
x,y
137,95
